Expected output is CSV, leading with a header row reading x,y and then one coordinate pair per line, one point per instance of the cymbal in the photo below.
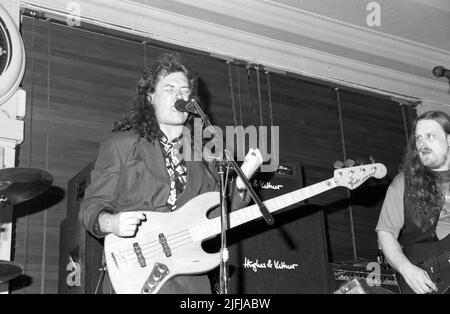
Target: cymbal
x,y
9,270
21,184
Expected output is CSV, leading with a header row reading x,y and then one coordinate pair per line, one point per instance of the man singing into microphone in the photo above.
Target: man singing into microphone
x,y
139,168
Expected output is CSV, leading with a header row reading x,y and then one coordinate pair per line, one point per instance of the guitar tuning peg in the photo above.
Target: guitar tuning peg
x,y
338,164
349,163
372,160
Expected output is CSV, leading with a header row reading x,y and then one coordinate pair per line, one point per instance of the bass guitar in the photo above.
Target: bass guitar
x,y
169,244
434,258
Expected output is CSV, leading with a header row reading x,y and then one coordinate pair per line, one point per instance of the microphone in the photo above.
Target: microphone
x,y
186,106
440,71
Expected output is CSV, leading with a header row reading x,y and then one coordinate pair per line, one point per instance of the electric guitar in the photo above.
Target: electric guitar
x,y
169,244
434,258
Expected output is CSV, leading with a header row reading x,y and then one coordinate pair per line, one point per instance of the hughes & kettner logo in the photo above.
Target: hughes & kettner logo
x,y
269,264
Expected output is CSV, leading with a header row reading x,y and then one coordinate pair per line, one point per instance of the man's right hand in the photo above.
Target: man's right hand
x,y
124,224
417,279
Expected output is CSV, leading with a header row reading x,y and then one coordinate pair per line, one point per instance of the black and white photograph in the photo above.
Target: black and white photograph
x,y
224,153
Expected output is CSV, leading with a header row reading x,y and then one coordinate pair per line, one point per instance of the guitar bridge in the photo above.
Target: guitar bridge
x,y
159,272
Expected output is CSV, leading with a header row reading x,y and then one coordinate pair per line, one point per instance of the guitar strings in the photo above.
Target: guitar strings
x,y
154,243
182,238
435,260
183,234
251,213
174,241
173,246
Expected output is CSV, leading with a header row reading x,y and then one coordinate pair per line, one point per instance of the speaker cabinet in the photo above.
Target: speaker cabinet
x,y
287,257
80,254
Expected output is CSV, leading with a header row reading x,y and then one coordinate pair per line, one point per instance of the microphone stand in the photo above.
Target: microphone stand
x,y
228,160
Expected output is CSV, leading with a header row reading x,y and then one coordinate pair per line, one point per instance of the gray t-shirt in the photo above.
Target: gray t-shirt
x,y
392,218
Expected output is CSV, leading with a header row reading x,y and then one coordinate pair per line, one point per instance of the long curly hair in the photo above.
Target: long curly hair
x,y
141,118
424,184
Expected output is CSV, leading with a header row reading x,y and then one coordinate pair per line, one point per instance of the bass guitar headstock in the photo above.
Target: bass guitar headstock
x,y
352,177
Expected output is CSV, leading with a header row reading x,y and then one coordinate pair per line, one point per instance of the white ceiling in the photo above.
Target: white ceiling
x,y
422,21
325,39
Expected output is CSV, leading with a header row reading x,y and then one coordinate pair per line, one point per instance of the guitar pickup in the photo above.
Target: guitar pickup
x,y
138,251
165,245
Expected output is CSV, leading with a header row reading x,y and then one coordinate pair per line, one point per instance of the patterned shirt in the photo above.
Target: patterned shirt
x,y
392,217
176,168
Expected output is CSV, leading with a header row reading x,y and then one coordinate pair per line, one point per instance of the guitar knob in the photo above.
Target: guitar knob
x,y
338,164
349,163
